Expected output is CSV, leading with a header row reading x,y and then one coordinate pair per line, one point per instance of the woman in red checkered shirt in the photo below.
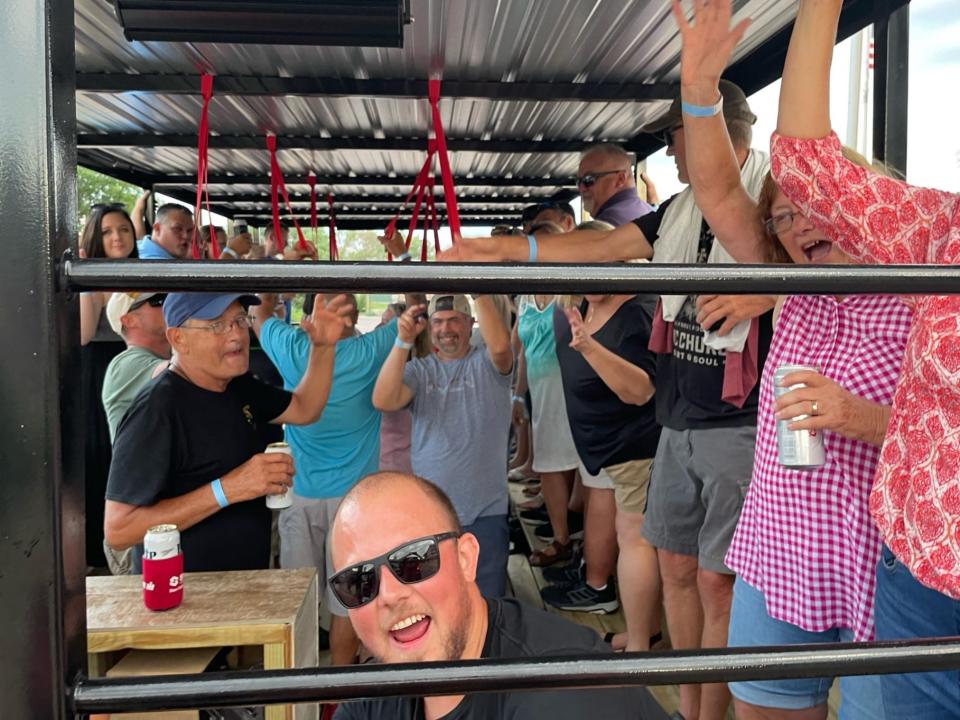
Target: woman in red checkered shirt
x,y
805,550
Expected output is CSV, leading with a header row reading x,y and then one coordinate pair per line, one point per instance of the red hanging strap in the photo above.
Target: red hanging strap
x,y
434,221
277,188
334,252
449,192
417,189
312,182
203,138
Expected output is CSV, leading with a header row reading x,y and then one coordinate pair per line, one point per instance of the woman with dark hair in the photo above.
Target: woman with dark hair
x,y
108,234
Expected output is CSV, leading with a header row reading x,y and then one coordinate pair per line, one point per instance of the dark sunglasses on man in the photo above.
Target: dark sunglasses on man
x,y
153,301
590,179
410,563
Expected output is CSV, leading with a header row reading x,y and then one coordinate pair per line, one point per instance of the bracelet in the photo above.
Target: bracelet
x,y
702,111
520,399
233,253
404,257
532,242
218,493
403,345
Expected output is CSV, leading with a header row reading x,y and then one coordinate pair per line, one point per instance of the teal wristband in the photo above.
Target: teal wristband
x,y
702,111
218,493
532,242
398,343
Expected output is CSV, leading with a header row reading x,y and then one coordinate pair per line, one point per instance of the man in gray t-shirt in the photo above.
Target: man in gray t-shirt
x,y
460,401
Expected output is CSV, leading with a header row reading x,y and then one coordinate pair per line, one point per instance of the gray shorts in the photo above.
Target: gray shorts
x,y
304,529
699,481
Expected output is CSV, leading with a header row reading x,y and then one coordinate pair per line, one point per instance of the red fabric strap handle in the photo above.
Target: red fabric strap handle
x,y
449,192
312,182
334,252
278,187
417,190
203,192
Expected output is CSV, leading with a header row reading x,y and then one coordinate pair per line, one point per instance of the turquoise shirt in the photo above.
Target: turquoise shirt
x,y
344,444
535,328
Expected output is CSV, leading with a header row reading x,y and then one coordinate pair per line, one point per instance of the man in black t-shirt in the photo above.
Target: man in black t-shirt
x,y
188,452
399,523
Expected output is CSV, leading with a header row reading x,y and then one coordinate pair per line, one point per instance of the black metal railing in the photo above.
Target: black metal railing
x,y
432,277
454,678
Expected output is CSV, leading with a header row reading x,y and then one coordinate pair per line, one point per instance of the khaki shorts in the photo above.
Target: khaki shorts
x,y
630,482
304,541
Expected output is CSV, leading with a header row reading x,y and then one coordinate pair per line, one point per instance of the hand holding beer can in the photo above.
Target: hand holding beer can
x,y
797,449
284,499
162,568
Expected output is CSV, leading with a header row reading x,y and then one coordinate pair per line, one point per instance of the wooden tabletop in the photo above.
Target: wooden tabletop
x,y
247,597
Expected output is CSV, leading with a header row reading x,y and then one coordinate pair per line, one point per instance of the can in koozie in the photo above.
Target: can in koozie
x,y
162,568
796,449
284,499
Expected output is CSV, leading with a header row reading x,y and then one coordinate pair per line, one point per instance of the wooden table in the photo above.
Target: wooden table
x,y
275,609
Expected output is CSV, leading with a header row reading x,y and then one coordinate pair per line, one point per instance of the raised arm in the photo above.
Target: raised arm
x,y
495,334
390,392
708,42
626,242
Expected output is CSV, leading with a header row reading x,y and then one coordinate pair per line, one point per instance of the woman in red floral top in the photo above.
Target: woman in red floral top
x,y
916,494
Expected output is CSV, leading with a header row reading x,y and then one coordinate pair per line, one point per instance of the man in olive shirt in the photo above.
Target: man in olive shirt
x,y
401,523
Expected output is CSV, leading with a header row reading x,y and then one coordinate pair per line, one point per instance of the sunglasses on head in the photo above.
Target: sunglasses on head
x,y
591,178
410,563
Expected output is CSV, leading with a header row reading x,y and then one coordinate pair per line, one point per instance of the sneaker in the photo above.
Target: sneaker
x,y
582,598
537,516
572,573
574,523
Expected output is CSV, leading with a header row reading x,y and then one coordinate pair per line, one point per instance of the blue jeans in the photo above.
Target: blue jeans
x,y
905,609
750,625
493,535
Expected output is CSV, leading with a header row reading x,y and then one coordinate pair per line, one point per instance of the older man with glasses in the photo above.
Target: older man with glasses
x,y
407,577
607,186
188,452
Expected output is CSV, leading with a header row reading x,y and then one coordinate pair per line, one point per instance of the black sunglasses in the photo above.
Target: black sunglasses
x,y
153,301
590,179
667,136
410,563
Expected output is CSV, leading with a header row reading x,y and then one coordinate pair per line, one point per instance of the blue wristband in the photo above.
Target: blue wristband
x,y
702,111
218,493
403,345
532,242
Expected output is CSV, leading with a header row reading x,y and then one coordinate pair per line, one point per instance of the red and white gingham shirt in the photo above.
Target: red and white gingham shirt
x,y
805,538
916,494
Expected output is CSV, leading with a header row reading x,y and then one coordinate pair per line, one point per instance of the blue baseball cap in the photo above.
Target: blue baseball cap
x,y
180,307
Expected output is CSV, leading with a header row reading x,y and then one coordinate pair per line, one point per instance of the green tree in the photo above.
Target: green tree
x,y
95,188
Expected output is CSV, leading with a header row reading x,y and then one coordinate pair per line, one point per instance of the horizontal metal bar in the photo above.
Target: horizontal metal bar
x,y
509,278
313,142
378,198
405,181
374,87
628,669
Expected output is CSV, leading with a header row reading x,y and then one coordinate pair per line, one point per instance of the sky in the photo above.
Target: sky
x,y
933,113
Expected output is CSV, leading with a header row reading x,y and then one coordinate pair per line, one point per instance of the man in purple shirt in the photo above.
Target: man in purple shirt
x,y
607,186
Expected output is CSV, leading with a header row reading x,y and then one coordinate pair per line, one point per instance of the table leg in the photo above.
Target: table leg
x,y
275,658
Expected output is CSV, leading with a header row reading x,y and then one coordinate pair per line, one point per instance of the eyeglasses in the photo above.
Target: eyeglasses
x,y
153,301
222,327
780,223
410,563
590,179
668,136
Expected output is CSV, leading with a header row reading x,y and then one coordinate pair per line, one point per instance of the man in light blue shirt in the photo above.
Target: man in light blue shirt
x,y
333,453
171,234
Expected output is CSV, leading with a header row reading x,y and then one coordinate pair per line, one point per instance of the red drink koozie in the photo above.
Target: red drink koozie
x,y
162,568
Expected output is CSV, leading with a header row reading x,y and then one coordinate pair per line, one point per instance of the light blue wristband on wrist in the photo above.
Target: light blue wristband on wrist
x,y
218,493
403,345
532,242
404,257
702,111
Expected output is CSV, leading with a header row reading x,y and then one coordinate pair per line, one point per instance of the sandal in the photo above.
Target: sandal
x,y
561,553
531,491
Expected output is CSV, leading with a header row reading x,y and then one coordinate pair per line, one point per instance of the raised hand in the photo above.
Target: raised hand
x,y
411,323
393,244
580,340
708,43
327,322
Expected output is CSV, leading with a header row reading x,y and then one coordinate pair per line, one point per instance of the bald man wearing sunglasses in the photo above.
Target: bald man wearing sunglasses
x,y
406,574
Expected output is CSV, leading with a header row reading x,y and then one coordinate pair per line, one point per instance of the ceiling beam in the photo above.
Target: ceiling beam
x,y
375,224
374,198
324,181
384,212
393,88
287,142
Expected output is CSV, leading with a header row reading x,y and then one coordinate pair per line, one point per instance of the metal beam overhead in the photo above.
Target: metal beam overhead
x,y
379,198
393,88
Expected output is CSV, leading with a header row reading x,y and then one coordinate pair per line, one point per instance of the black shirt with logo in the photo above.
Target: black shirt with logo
x,y
517,631
690,380
177,437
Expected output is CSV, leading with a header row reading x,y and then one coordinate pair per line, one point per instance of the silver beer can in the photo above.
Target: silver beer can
x,y
796,449
284,499
161,542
